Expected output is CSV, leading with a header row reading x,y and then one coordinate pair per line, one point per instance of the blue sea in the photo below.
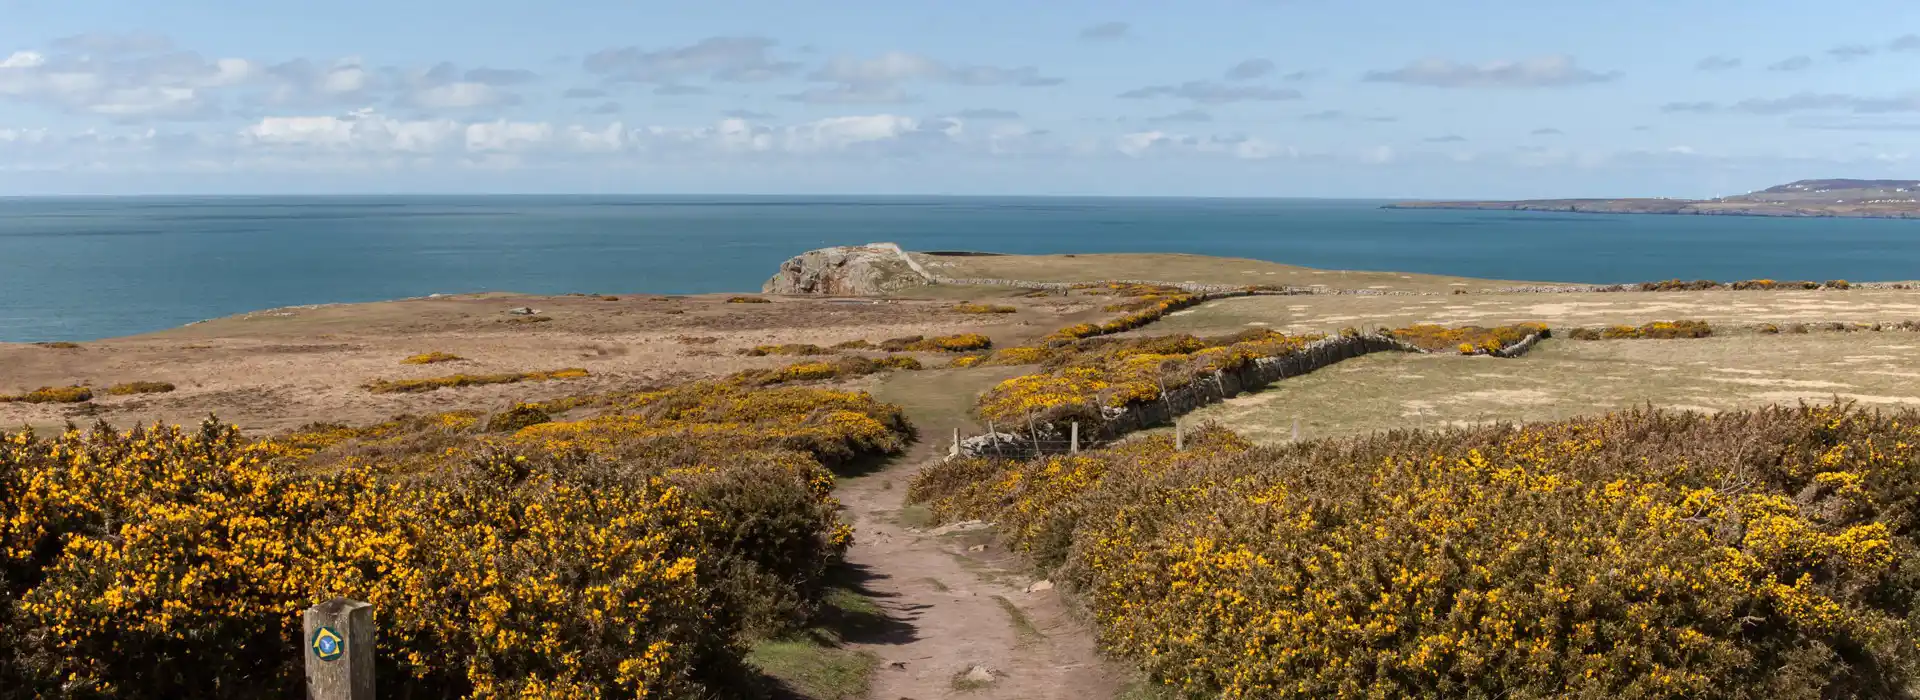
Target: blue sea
x,y
89,268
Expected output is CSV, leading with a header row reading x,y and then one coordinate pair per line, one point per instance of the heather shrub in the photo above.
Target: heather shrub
x,y
1759,554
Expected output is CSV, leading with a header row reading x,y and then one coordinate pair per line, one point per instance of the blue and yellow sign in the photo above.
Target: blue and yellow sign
x,y
328,644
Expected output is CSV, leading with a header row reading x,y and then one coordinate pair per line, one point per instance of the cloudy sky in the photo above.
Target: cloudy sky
x,y
1391,98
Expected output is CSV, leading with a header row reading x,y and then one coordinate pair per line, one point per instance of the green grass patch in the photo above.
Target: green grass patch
x,y
818,671
916,516
1022,625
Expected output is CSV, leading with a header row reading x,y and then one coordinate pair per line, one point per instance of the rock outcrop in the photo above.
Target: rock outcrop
x,y
869,270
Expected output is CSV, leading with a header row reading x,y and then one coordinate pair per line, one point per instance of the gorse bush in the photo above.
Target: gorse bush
x,y
52,394
430,358
1467,340
787,349
1657,330
392,386
962,342
1764,554
627,555
972,308
1090,375
747,300
131,388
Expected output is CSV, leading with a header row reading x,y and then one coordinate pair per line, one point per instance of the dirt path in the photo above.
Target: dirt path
x,y
955,607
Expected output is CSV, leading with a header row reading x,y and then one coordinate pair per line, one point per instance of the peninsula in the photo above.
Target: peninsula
x,y
1875,199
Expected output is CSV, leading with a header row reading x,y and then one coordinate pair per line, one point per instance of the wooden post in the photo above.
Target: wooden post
x,y
337,643
994,435
1179,439
1296,428
955,452
1073,440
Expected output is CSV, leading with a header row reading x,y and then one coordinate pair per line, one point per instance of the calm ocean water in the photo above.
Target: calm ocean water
x,y
81,269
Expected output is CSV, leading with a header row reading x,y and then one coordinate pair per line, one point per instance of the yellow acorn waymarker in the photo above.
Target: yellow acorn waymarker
x,y
327,644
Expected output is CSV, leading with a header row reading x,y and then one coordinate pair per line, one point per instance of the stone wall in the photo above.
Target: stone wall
x,y
1206,389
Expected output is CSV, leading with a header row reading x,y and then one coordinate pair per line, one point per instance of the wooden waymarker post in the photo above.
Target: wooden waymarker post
x,y
1179,439
1296,428
1073,444
337,642
955,452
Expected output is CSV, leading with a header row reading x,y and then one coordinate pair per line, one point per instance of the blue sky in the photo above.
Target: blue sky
x,y
1391,98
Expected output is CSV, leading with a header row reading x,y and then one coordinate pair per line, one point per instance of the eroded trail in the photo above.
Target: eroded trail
x,y
956,599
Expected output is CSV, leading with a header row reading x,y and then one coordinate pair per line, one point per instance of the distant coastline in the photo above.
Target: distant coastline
x,y
1853,199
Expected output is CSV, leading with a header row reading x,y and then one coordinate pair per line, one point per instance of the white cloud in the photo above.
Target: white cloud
x,y
1205,92
462,95
720,58
1538,72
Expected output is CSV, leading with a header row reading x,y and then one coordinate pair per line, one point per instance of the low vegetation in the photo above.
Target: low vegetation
x,y
132,388
52,394
634,553
747,300
1466,340
960,342
1762,554
394,386
972,308
59,345
1657,330
1089,376
787,349
432,358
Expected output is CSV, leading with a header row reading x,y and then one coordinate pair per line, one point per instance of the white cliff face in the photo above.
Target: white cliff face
x,y
869,270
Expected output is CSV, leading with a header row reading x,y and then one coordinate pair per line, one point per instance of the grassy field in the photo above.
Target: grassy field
x,y
1566,378
1323,313
1172,267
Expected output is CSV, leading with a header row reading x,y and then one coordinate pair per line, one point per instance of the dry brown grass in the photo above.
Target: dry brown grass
x,y
1563,379
1173,267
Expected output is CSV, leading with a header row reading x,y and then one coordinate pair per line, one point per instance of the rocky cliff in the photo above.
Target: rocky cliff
x,y
868,270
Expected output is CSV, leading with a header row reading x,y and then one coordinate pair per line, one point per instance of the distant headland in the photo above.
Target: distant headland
x,y
1872,199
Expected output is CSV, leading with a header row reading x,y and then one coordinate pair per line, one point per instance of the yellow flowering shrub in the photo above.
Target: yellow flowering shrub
x,y
52,394
962,342
628,554
431,358
1654,330
747,300
1467,340
1761,554
390,386
131,388
787,349
973,308
1092,374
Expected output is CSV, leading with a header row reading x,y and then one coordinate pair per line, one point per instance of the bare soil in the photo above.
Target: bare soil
x,y
956,606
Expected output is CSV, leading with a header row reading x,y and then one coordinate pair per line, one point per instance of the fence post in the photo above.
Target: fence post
x,y
337,642
1073,440
955,452
1179,439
